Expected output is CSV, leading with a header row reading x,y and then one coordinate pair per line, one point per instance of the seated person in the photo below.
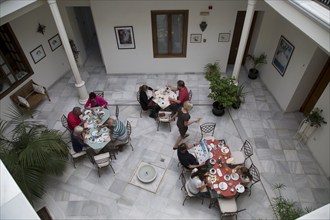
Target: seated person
x,y
74,118
118,131
196,184
245,175
187,159
95,101
182,97
147,103
77,139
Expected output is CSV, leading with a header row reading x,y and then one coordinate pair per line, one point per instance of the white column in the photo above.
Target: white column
x,y
80,84
244,37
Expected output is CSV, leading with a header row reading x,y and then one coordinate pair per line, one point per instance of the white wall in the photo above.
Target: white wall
x,y
319,142
50,68
109,14
273,26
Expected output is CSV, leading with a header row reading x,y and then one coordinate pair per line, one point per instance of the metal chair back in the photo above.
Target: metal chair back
x,y
64,121
255,176
190,95
247,149
117,111
99,93
207,129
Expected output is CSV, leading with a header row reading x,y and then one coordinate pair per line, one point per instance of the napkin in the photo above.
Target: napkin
x,y
219,172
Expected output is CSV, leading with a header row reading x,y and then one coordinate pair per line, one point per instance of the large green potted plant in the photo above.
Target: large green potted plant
x,y
256,62
211,69
31,152
223,91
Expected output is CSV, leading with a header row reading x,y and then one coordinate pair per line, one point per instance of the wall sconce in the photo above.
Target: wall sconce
x,y
203,24
41,28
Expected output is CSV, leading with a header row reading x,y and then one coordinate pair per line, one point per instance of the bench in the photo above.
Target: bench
x,y
28,93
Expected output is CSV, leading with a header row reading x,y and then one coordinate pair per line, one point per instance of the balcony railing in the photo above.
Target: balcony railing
x,y
324,3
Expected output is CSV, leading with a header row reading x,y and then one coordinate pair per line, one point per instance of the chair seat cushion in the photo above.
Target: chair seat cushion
x,y
100,165
238,156
76,155
227,205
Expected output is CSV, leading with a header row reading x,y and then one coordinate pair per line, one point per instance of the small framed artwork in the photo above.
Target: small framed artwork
x,y
125,37
38,54
55,42
282,55
195,38
224,37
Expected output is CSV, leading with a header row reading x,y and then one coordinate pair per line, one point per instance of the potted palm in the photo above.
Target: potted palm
x,y
31,152
223,91
310,123
239,96
256,61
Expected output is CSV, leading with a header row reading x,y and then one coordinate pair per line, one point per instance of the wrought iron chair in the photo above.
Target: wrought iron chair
x,y
138,99
64,121
190,95
129,132
228,207
164,117
241,156
255,176
99,93
117,111
189,195
103,160
207,129
73,155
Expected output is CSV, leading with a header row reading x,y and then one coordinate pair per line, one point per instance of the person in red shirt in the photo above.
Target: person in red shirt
x,y
74,119
182,97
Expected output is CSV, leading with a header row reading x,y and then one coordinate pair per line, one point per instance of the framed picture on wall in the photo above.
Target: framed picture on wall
x,y
195,38
125,37
55,42
38,54
224,37
282,55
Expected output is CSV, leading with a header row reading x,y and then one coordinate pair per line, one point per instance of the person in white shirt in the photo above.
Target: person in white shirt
x,y
196,184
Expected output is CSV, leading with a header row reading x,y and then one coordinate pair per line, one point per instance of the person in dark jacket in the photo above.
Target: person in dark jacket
x,y
147,103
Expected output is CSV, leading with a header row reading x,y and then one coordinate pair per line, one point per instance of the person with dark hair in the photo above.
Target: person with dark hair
x,y
244,174
74,118
147,103
187,159
196,184
95,101
182,97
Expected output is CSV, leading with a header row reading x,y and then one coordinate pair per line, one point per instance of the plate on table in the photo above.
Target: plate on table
x,y
210,155
86,112
240,188
225,150
96,110
92,140
227,177
234,176
101,113
212,161
213,171
223,186
95,133
105,135
100,140
85,117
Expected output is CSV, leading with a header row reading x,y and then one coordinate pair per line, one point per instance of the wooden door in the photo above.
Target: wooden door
x,y
240,17
317,89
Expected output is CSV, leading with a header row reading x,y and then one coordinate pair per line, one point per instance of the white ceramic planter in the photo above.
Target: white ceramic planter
x,y
305,130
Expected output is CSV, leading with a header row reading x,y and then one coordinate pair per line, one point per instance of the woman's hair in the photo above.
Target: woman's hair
x,y
245,172
182,147
143,88
199,173
77,130
188,105
92,95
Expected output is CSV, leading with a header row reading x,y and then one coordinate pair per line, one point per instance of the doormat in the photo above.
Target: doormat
x,y
153,186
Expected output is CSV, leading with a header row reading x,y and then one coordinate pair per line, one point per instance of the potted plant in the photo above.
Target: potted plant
x,y
256,61
223,91
310,123
239,97
211,69
30,151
